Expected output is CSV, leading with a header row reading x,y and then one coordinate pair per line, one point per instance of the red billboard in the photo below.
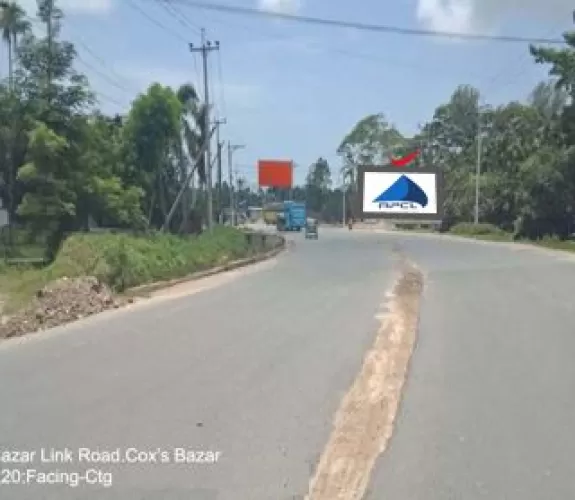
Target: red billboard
x,y
275,173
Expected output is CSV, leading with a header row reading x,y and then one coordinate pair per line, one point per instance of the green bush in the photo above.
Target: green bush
x,y
124,261
468,229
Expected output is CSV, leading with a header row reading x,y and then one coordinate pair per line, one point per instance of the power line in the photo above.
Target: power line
x,y
179,16
525,58
103,75
172,33
215,104
118,77
98,94
232,9
222,88
417,67
135,6
105,97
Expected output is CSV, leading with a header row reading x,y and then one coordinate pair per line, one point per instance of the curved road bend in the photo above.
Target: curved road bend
x,y
489,404
257,368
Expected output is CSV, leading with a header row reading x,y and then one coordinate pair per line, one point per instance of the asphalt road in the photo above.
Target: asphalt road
x,y
256,368
489,405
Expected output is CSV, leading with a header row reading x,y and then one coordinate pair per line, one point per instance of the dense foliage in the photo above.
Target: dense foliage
x,y
527,152
64,165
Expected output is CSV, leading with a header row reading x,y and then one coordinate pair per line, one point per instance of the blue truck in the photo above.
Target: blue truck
x,y
292,217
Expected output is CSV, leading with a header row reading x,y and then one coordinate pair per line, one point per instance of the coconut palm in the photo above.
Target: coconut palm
x,y
13,24
192,138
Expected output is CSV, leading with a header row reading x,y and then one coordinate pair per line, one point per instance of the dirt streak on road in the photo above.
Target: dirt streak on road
x,y
364,421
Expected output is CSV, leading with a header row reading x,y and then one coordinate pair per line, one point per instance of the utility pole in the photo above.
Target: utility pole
x,y
237,198
219,165
343,193
478,166
219,197
187,180
205,48
231,149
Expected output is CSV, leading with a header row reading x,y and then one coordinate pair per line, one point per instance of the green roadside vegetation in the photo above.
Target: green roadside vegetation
x,y
490,232
122,261
119,197
527,155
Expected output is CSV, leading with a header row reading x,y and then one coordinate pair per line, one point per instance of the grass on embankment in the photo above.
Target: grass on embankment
x,y
493,233
124,261
489,232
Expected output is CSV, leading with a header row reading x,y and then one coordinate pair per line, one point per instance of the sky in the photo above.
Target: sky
x,y
293,91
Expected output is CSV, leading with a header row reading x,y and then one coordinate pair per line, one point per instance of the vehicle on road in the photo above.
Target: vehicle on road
x,y
311,229
270,213
292,217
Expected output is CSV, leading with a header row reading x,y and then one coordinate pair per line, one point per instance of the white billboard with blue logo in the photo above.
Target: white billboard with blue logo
x,y
400,193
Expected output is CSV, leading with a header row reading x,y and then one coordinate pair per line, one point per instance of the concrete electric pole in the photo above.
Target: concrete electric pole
x,y
231,149
478,165
205,48
220,145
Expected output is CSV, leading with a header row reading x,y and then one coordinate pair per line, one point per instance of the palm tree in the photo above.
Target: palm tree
x,y
549,99
13,23
192,138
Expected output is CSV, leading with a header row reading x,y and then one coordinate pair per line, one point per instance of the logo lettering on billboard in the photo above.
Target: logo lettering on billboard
x,y
404,205
403,194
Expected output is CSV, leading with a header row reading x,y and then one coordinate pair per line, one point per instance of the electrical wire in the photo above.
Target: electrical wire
x,y
172,33
102,75
416,67
109,99
102,96
222,85
523,60
182,19
379,28
179,16
213,99
113,74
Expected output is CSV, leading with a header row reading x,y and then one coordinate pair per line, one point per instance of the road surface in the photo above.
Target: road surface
x,y
256,368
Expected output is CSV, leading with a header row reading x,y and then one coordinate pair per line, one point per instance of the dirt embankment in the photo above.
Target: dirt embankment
x,y
364,421
58,303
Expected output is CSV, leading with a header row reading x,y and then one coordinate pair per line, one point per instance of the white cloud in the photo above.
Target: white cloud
x,y
281,6
474,16
73,6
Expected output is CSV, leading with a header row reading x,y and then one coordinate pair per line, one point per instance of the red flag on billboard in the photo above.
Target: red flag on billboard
x,y
275,173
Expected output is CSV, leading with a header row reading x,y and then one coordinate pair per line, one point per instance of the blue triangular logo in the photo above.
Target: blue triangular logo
x,y
403,189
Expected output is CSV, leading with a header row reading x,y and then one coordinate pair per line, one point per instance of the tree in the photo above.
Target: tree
x,y
371,141
151,136
562,63
13,24
69,161
318,183
191,139
549,99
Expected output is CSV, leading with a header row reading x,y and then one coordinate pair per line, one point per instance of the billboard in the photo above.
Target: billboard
x,y
389,193
275,173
